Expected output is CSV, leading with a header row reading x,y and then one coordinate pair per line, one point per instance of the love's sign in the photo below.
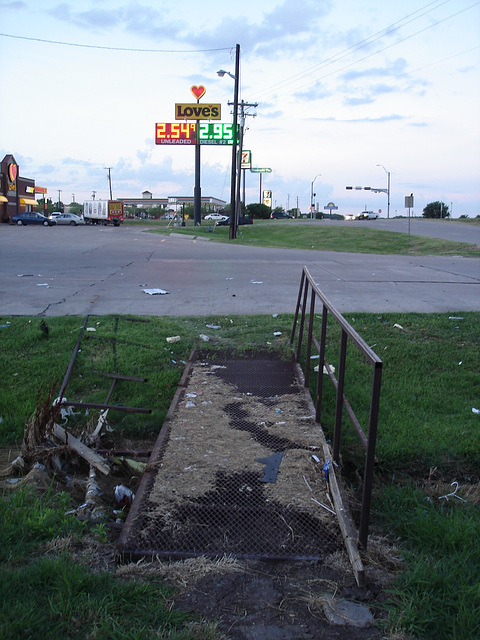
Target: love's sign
x,y
198,92
197,111
12,172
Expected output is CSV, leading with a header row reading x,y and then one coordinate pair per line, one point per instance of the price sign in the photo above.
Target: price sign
x,y
176,133
215,133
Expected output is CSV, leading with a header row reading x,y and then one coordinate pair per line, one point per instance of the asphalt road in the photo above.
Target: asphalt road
x,y
102,270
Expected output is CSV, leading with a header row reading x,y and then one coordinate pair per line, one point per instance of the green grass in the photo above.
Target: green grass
x,y
287,234
58,598
438,594
430,385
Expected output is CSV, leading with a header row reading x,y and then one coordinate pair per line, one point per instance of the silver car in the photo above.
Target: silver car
x,y
69,218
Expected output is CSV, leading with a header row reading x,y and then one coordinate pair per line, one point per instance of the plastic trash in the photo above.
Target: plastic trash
x,y
213,326
156,292
123,495
172,339
203,337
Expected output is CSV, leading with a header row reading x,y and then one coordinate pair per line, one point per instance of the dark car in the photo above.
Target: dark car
x,y
276,215
241,220
32,217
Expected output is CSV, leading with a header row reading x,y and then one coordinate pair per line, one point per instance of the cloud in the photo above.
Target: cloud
x,y
12,6
393,69
317,91
356,101
96,18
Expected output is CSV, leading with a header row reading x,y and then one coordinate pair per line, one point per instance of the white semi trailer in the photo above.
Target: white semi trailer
x,y
103,212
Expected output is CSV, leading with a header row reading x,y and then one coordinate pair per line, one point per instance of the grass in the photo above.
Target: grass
x,y
427,429
300,235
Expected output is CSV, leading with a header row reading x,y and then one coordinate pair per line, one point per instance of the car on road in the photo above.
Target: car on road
x,y
70,219
215,216
364,215
32,217
279,215
241,220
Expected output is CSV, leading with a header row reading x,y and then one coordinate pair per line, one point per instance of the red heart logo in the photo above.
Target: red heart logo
x,y
12,172
198,92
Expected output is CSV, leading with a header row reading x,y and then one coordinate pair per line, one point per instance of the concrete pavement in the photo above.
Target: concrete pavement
x,y
74,271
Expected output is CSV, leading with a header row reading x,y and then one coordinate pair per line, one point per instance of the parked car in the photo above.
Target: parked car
x,y
55,214
277,215
241,220
69,218
215,216
32,217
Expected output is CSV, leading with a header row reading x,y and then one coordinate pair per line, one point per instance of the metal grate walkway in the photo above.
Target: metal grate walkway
x,y
233,471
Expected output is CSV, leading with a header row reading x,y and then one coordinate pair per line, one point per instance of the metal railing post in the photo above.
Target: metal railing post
x,y
299,299
370,457
302,321
311,316
339,400
321,362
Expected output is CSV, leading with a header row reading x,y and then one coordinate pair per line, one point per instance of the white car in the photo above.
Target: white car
x,y
68,218
215,216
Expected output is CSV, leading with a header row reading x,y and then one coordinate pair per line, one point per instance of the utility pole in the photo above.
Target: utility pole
x,y
59,193
109,180
242,105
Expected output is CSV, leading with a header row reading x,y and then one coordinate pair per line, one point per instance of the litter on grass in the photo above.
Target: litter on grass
x,y
325,370
172,339
156,292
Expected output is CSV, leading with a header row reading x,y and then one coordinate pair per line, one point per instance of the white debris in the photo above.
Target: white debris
x,y
156,292
172,339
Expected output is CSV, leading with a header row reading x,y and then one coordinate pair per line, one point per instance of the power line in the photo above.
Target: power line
x,y
360,45
94,46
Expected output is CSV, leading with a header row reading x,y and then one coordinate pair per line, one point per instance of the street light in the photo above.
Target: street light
x,y
312,197
388,189
233,207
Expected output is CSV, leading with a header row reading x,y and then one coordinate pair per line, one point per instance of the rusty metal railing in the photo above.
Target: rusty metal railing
x,y
308,295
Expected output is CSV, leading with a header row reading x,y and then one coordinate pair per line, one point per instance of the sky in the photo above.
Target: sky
x,y
348,91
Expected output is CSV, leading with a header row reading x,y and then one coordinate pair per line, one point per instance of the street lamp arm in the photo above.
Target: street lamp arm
x,y
222,72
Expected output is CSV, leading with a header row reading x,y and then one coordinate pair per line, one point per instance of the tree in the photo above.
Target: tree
x,y
436,209
76,208
258,210
45,210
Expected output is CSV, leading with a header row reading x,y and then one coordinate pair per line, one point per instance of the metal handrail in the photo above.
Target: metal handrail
x,y
309,293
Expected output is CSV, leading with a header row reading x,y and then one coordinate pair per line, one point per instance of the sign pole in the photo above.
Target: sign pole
x,y
197,191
